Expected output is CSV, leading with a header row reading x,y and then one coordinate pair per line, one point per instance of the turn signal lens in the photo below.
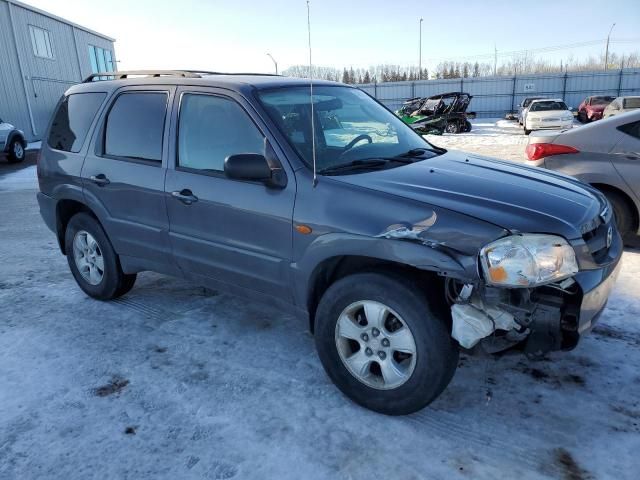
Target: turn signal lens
x,y
536,151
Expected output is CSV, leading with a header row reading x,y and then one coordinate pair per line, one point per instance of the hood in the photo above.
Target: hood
x,y
512,196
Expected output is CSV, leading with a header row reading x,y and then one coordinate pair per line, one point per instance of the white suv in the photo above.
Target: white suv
x,y
12,142
548,113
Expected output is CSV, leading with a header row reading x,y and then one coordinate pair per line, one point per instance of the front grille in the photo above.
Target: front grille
x,y
596,241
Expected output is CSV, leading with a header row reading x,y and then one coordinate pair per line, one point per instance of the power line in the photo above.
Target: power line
x,y
549,49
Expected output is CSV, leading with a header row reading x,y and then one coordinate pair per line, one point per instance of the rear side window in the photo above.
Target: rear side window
x,y
135,126
632,102
212,128
632,129
72,120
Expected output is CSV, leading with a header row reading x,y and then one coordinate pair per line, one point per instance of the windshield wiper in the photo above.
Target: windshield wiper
x,y
418,152
357,165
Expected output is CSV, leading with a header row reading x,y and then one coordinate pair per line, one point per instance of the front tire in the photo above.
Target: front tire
x,y
382,344
452,127
16,151
93,261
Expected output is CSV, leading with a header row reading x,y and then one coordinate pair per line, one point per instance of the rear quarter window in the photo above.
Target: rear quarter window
x,y
632,129
72,120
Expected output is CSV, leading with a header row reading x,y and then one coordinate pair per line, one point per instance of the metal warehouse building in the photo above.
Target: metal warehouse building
x,y
41,55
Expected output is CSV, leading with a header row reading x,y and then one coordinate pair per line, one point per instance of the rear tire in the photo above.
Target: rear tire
x,y
467,126
16,151
93,261
407,311
622,212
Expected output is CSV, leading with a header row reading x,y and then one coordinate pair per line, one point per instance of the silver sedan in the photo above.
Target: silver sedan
x,y
605,154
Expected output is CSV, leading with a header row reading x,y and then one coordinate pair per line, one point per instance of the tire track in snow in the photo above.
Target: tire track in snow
x,y
448,426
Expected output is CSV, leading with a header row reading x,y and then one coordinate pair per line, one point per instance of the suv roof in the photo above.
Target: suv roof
x,y
235,81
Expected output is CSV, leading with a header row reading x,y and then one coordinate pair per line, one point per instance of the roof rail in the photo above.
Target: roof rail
x,y
158,73
148,73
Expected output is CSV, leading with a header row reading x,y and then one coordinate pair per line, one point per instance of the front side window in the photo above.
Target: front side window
x,y
210,129
72,120
41,42
135,126
349,125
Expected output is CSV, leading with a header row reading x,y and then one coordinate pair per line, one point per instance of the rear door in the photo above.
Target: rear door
x,y
626,156
124,172
235,232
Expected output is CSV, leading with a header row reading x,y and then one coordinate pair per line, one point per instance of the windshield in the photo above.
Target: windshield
x,y
632,102
601,100
546,106
350,126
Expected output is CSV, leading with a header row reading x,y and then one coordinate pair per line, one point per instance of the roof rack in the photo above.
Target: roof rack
x,y
148,73
160,73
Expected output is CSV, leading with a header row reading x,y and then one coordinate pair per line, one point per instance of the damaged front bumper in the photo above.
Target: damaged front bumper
x,y
536,320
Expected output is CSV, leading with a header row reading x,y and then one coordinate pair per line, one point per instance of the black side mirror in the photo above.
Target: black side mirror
x,y
253,167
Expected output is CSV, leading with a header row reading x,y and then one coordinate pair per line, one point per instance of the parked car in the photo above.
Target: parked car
x,y
524,107
398,253
592,108
548,113
12,142
446,112
605,155
621,105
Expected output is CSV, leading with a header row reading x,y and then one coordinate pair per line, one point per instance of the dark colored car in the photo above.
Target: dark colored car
x,y
396,252
592,108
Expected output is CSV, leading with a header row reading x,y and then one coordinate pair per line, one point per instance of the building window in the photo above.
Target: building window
x,y
101,60
41,42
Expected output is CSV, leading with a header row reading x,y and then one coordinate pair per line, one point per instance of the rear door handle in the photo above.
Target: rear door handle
x,y
185,196
100,179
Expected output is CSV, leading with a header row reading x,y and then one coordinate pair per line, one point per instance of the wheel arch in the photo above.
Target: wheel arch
x,y
633,207
334,268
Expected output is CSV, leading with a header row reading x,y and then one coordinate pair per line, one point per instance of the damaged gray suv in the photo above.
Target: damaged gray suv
x,y
399,254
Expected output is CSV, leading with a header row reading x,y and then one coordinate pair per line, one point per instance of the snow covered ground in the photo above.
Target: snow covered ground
x,y
178,381
494,137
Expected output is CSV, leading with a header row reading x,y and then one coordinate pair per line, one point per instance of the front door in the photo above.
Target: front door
x,y
235,232
124,173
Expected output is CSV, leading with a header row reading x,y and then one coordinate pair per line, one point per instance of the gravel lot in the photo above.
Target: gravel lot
x,y
177,381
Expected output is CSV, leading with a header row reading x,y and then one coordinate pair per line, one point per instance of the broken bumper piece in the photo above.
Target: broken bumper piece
x,y
536,320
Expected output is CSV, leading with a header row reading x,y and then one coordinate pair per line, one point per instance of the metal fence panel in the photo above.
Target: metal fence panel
x,y
497,96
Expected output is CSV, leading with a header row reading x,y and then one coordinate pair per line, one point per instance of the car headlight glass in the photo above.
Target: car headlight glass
x,y
527,260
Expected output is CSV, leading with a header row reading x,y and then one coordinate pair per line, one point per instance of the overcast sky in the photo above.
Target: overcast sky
x,y
235,35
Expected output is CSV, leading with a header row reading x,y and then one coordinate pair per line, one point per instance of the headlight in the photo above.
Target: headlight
x,y
527,260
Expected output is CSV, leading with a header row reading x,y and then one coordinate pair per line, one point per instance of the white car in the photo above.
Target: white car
x,y
548,113
12,142
621,105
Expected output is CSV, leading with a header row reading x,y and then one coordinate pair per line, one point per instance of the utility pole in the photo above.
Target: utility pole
x,y
495,60
420,52
274,61
606,52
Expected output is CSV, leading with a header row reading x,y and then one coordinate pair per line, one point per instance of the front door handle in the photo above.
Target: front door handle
x,y
185,196
101,179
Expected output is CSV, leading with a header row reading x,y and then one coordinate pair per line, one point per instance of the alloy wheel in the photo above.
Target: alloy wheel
x,y
88,257
375,344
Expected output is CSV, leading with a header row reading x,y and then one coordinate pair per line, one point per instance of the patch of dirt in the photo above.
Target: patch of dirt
x,y
115,386
570,468
576,379
160,349
537,373
130,430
